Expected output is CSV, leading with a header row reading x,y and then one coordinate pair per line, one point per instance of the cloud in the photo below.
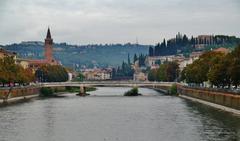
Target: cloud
x,y
112,21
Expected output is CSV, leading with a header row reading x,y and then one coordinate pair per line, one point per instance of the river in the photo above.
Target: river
x,y
106,115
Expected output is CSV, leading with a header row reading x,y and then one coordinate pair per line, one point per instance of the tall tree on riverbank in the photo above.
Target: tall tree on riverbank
x,y
219,69
13,73
48,73
234,66
197,72
167,71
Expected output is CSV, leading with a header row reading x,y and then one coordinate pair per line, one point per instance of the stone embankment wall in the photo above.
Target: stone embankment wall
x,y
19,92
218,97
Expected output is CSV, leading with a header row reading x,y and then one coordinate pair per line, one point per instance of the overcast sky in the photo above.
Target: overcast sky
x,y
115,21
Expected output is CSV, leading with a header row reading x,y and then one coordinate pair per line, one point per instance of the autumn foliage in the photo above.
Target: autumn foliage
x,y
221,70
51,73
11,73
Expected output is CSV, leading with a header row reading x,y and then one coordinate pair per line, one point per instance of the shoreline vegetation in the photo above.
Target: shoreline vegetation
x,y
54,92
173,90
132,92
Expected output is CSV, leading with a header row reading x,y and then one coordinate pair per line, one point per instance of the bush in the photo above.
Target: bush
x,y
46,92
132,92
173,90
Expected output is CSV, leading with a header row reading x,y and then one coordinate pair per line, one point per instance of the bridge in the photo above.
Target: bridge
x,y
157,85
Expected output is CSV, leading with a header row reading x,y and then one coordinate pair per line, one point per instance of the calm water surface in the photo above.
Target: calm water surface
x,y
108,116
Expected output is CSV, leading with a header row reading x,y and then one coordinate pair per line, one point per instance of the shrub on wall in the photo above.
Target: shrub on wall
x,y
46,92
173,90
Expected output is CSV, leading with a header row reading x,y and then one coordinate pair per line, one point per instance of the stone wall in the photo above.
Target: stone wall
x,y
222,98
18,92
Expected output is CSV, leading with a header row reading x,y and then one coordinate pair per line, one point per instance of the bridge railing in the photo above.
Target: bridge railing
x,y
106,83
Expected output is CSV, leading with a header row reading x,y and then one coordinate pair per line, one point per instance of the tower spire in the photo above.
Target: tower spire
x,y
48,33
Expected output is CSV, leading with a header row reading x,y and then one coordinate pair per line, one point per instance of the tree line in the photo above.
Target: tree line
x,y
184,44
126,71
168,72
221,70
12,73
51,73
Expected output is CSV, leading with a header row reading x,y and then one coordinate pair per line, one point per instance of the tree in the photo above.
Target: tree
x,y
152,75
164,45
161,73
80,77
141,60
197,72
166,72
135,58
151,51
129,61
218,74
234,66
157,49
172,71
13,73
49,73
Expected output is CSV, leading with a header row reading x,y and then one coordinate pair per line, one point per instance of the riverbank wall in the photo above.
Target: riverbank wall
x,y
161,89
227,99
18,94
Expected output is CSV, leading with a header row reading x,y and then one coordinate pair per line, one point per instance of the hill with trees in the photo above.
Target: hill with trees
x,y
185,45
77,57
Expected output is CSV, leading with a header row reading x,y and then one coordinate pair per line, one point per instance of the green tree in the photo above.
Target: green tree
x,y
197,72
161,73
129,61
172,71
234,66
152,75
135,58
52,73
218,74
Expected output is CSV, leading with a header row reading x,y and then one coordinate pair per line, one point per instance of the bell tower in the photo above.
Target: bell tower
x,y
49,47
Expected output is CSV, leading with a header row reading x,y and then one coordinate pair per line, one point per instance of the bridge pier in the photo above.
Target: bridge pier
x,y
82,91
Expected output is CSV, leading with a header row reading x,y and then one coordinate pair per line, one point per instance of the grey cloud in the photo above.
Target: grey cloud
x,y
111,21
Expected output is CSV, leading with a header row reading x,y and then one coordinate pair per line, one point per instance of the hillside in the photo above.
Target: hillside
x,y
81,56
185,45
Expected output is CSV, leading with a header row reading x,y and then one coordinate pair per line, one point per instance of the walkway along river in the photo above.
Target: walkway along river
x,y
108,116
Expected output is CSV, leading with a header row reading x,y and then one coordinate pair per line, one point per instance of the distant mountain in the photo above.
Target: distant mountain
x,y
76,56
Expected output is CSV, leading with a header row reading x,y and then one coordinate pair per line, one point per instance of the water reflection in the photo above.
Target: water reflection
x,y
216,124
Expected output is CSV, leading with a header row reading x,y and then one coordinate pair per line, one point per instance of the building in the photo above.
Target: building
x,y
222,50
139,76
186,61
205,39
202,40
97,74
23,62
154,61
48,55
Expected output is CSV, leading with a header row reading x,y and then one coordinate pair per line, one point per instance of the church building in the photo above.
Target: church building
x,y
48,55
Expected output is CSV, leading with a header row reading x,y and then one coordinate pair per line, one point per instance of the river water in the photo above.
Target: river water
x,y
108,116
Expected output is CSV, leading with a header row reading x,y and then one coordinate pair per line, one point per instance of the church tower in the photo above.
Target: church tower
x,y
49,47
